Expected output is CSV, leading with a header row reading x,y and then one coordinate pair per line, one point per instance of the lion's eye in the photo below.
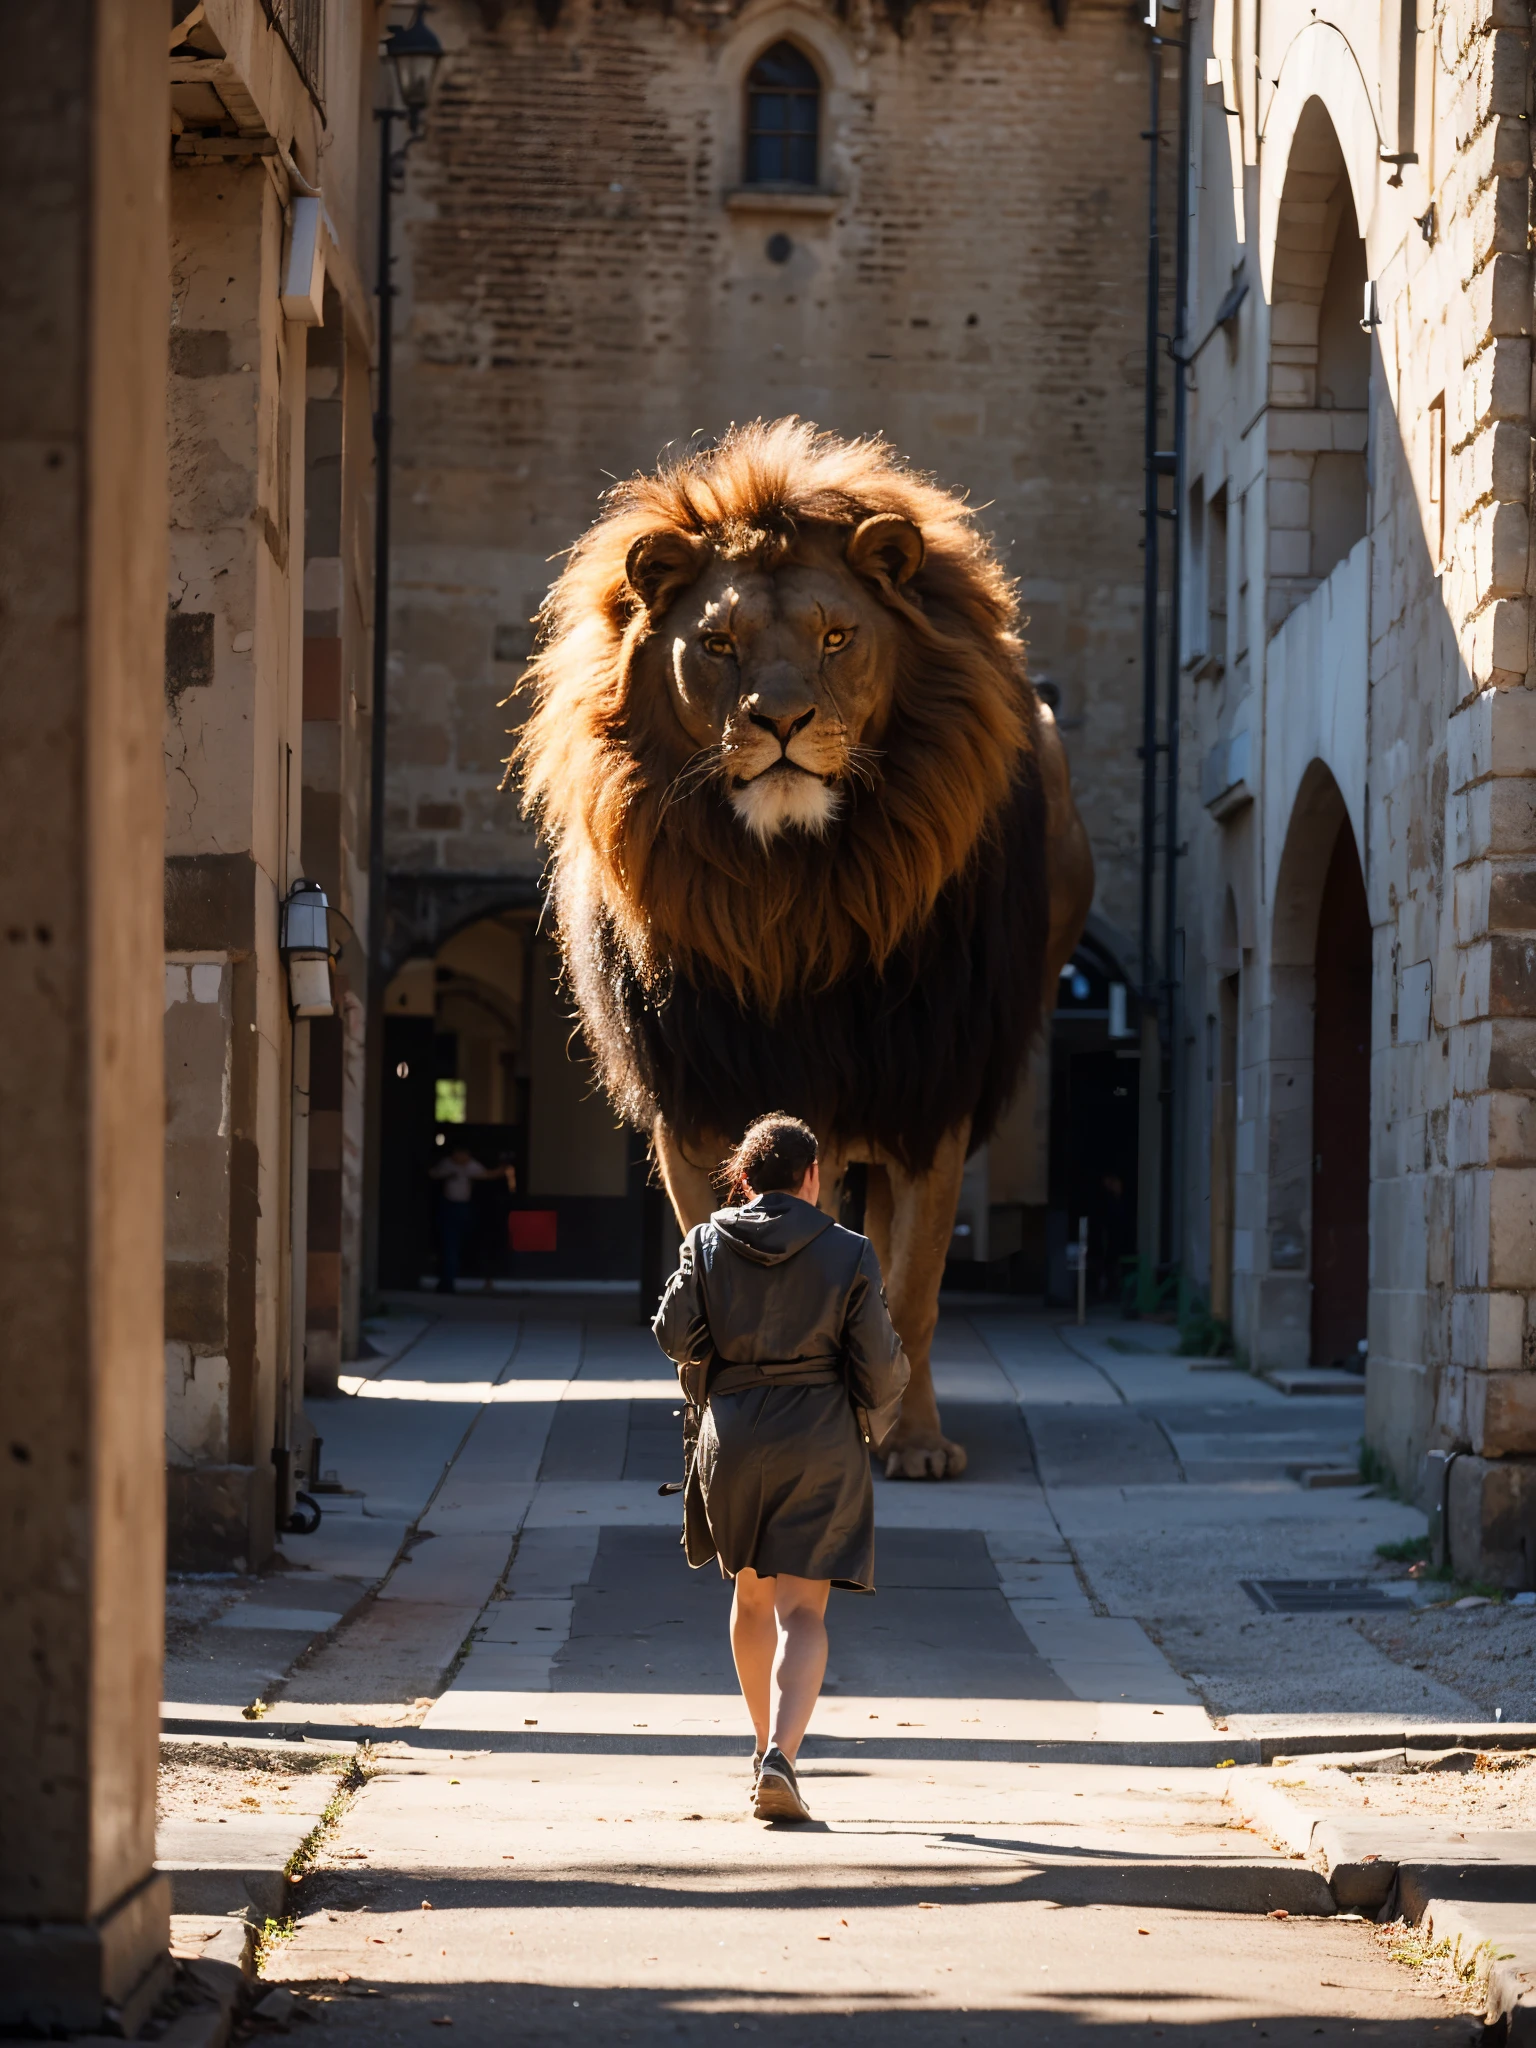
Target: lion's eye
x,y
719,645
838,637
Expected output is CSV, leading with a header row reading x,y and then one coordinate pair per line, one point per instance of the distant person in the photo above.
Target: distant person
x,y
456,1207
777,1323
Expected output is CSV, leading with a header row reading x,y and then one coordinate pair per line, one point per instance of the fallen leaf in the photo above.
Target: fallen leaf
x,y
426,1906
530,1724
1143,1930
926,1906
1227,1763
443,2022
1279,1914
823,1937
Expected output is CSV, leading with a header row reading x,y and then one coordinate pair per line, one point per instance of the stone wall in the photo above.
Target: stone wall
x,y
266,741
1402,715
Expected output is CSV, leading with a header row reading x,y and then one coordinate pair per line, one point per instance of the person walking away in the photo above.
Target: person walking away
x,y
455,1207
777,1323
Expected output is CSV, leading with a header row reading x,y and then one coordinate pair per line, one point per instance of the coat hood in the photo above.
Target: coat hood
x,y
771,1228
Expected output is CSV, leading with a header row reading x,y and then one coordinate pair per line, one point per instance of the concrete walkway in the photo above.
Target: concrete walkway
x,y
560,1752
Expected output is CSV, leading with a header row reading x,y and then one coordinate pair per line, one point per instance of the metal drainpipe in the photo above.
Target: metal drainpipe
x,y
1150,539
383,426
1146,1235
1172,1139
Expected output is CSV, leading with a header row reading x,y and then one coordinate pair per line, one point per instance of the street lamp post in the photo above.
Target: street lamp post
x,y
414,54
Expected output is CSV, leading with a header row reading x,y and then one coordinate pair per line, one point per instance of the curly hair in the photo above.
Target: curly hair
x,y
774,1157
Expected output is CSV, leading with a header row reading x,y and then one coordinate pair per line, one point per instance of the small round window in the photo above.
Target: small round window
x,y
783,118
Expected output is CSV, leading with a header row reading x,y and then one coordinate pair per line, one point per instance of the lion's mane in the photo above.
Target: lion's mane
x,y
883,980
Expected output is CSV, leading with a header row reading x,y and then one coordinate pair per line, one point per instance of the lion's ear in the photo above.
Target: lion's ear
x,y
661,564
887,549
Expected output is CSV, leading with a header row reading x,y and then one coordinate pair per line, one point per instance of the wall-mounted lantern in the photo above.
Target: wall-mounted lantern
x,y
305,943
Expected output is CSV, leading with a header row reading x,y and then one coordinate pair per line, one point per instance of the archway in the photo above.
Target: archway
x,y
1316,1278
1320,370
479,1055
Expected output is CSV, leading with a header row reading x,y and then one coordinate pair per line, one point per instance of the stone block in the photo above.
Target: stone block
x,y
1472,1245
1470,902
1501,381
1511,896
1491,1525
1508,86
1290,504
1512,1227
1501,1414
1499,463
1290,552
1512,975
218,1517
1499,298
1499,537
1506,1059
1472,982
1511,1130
1511,147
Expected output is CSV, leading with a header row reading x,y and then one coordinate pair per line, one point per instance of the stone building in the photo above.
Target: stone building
x,y
266,740
1358,1150
629,226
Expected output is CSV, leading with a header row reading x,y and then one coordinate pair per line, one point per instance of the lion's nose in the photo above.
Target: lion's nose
x,y
785,727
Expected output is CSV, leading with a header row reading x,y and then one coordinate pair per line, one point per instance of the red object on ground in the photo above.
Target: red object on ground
x,y
533,1230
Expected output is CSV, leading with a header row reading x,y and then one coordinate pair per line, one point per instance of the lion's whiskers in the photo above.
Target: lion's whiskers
x,y
862,763
694,773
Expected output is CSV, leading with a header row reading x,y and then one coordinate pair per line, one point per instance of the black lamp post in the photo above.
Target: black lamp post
x,y
414,54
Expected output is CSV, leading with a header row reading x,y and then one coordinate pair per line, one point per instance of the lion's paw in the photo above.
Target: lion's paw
x,y
925,1456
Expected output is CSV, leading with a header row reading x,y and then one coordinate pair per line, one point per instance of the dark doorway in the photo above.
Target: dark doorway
x,y
1094,1129
1341,1113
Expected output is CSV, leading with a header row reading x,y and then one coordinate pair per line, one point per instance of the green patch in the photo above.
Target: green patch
x,y
270,1934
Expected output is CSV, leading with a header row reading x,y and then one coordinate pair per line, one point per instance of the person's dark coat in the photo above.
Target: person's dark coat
x,y
777,1323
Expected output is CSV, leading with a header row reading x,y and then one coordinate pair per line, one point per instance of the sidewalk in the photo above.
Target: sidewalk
x,y
1028,1718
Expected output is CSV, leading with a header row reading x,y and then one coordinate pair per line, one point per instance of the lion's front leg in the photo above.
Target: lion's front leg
x,y
921,1223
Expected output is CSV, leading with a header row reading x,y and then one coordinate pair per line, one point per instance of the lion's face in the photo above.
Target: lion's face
x,y
782,678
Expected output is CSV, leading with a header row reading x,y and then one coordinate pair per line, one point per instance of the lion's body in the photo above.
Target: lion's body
x,y
814,848
889,1058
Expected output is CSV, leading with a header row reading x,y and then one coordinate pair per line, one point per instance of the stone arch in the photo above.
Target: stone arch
x,y
1319,368
1316,1085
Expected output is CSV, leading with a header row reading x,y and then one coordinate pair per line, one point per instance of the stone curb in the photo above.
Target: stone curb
x,y
1477,1891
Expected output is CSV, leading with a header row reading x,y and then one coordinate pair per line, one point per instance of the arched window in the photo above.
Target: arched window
x,y
783,117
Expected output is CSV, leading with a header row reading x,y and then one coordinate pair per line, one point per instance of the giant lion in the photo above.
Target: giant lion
x,y
813,842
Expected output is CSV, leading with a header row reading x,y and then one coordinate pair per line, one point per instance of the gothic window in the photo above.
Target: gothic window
x,y
783,117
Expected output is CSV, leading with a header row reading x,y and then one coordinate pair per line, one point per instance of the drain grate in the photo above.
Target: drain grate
x,y
1326,1596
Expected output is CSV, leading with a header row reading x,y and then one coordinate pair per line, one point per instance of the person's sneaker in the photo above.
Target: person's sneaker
x,y
777,1796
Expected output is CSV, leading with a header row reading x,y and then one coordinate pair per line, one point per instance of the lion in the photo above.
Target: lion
x,y
813,844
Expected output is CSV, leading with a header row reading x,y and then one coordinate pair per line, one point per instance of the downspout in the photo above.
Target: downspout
x,y
1149,534
1149,1228
1173,1133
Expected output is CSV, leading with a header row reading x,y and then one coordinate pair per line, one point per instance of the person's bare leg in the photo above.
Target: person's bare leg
x,y
754,1639
801,1665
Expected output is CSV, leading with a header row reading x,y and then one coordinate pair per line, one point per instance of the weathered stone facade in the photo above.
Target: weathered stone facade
x,y
266,740
588,280
1359,708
